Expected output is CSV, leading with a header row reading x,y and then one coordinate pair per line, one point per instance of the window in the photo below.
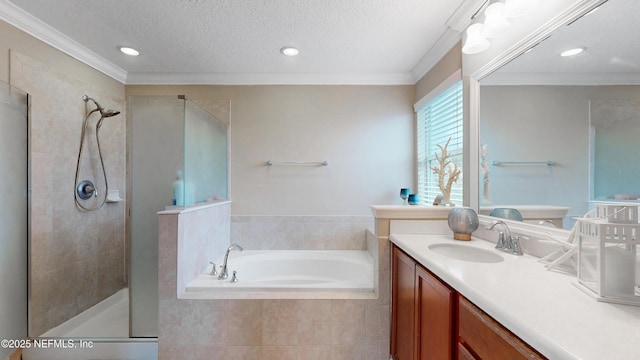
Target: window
x,y
438,120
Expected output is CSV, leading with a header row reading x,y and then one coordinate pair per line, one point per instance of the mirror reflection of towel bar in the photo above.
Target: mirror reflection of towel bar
x,y
501,163
297,163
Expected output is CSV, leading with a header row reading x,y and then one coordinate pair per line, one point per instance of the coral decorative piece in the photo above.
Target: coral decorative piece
x,y
444,169
485,172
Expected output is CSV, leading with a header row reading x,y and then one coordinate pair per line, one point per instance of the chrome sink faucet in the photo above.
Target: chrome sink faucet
x,y
224,272
506,242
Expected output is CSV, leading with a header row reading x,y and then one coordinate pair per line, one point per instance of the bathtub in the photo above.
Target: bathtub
x,y
292,270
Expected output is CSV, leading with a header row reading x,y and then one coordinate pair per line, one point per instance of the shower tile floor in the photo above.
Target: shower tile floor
x,y
107,319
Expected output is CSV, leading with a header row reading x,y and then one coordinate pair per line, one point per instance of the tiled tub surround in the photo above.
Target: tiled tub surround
x,y
300,232
272,328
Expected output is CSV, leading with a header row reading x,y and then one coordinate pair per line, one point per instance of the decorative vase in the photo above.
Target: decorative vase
x,y
463,221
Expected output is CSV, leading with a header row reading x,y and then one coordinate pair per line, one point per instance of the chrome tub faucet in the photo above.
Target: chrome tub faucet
x,y
224,272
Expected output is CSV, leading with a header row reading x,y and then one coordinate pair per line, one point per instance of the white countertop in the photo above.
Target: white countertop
x,y
410,211
542,307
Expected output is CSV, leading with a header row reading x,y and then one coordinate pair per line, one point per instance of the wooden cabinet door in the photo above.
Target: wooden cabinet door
x,y
434,317
402,302
486,338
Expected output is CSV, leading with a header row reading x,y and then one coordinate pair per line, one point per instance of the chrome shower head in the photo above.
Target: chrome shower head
x,y
103,113
109,113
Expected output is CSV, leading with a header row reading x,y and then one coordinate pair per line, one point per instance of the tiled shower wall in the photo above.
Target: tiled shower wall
x,y
353,329
77,258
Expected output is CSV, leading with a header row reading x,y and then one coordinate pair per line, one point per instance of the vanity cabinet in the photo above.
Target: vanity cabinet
x,y
422,324
430,320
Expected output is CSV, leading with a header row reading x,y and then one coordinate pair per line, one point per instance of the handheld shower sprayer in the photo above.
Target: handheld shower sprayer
x,y
86,189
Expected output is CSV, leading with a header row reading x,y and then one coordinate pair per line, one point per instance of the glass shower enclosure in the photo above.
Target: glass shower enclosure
x,y
178,158
13,213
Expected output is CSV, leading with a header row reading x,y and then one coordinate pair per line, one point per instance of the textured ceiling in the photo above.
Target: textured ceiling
x,y
243,37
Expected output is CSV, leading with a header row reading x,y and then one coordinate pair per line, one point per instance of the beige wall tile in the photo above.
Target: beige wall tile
x,y
280,322
344,314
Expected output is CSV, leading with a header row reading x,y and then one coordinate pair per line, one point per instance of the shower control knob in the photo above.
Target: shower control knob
x,y
86,189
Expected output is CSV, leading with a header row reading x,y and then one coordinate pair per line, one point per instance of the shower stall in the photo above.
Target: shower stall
x,y
90,271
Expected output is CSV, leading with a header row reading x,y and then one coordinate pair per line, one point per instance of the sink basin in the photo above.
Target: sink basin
x,y
466,253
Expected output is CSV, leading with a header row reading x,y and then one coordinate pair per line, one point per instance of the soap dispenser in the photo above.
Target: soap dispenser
x,y
178,190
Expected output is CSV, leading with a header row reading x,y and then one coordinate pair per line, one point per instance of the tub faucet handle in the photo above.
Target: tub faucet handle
x,y
213,268
234,277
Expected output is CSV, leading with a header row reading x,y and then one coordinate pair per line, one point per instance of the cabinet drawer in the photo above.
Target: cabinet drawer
x,y
464,354
487,339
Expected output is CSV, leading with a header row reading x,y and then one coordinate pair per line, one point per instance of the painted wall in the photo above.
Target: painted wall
x,y
73,253
364,132
449,64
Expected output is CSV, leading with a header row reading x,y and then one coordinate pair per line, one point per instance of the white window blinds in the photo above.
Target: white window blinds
x,y
439,120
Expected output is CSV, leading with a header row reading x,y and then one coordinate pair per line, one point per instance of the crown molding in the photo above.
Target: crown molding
x,y
268,79
47,34
461,18
446,42
457,23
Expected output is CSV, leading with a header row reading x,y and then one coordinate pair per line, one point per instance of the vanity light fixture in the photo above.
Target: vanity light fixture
x,y
475,42
128,51
289,51
495,22
572,52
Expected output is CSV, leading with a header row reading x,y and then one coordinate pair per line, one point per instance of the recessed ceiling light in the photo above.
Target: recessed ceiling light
x,y
128,51
289,51
572,52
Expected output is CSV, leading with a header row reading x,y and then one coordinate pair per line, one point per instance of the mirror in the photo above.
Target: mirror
x,y
560,133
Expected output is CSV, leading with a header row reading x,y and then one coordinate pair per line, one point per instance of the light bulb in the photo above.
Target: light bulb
x,y
475,42
495,23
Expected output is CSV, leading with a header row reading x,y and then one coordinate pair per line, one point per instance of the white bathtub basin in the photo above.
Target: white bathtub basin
x,y
292,270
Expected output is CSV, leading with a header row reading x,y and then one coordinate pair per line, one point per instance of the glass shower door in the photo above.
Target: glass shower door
x,y
206,156
13,213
